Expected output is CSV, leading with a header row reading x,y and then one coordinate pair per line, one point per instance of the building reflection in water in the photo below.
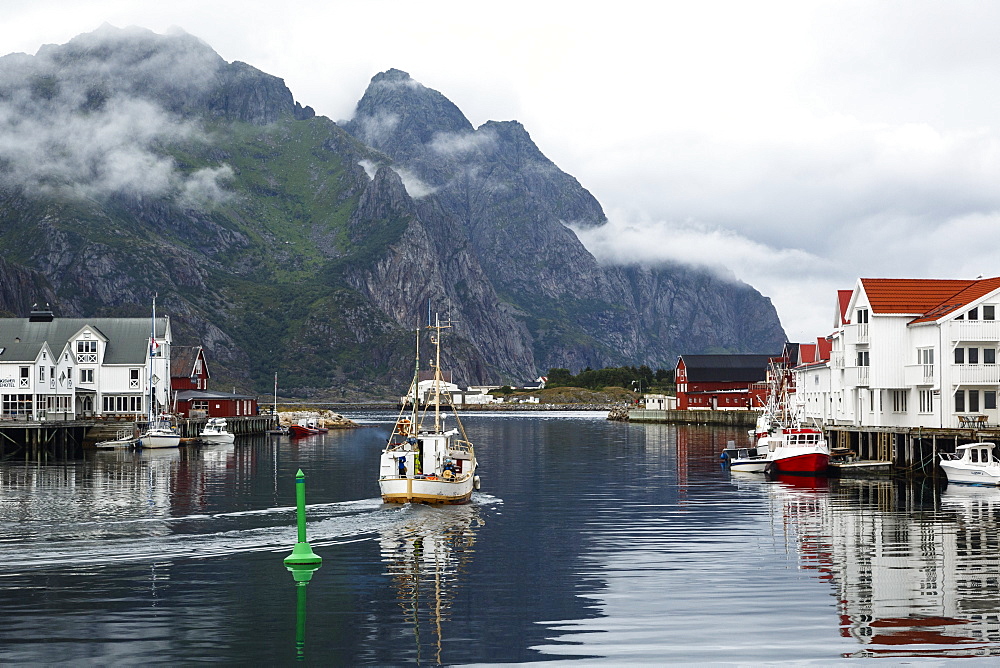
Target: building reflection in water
x,y
916,573
427,557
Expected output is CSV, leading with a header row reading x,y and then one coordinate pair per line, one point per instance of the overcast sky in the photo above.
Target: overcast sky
x,y
799,144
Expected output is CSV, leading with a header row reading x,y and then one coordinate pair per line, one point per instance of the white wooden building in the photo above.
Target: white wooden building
x,y
908,353
63,368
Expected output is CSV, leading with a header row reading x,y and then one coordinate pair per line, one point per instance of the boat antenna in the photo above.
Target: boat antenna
x,y
416,380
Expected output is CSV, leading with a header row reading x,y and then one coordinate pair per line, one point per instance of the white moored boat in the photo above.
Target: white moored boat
x,y
972,463
427,464
216,432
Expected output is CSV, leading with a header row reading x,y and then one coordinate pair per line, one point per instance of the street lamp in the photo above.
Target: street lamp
x,y
639,383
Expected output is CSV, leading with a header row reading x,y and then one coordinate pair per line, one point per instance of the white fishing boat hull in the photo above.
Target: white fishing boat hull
x,y
975,474
422,490
217,439
156,438
749,465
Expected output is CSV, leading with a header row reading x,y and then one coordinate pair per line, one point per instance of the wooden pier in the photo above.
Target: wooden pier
x,y
913,451
45,441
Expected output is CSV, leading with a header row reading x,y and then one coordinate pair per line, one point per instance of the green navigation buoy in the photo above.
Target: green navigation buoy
x,y
302,554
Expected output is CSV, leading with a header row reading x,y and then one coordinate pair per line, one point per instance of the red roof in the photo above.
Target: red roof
x,y
808,353
929,299
843,299
824,345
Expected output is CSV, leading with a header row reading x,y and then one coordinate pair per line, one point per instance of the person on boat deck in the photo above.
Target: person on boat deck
x,y
449,465
402,467
416,463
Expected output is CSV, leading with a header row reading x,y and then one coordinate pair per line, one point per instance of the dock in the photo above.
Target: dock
x,y
911,451
43,441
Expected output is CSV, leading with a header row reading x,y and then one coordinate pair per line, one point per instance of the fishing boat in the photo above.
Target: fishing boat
x,y
972,463
302,428
216,432
780,443
160,431
427,463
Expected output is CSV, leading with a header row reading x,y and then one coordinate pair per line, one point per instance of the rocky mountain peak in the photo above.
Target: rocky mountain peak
x,y
398,115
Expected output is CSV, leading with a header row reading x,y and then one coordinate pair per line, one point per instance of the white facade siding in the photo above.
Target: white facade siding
x,y
70,378
889,372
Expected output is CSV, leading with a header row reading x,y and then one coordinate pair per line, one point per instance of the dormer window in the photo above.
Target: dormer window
x,y
862,316
973,314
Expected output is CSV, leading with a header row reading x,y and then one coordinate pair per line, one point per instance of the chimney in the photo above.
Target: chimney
x,y
40,315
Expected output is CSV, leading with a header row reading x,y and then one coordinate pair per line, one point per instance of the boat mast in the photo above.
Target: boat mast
x,y
416,380
152,348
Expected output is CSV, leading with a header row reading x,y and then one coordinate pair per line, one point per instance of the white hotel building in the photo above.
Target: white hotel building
x,y
63,368
907,353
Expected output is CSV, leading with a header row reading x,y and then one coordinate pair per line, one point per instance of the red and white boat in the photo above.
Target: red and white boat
x,y
301,429
795,450
780,443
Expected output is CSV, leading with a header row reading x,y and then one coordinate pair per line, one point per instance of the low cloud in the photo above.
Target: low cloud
x,y
76,120
378,127
369,166
460,144
415,188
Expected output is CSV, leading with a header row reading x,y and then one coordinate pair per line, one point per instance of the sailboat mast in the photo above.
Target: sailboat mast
x,y
437,374
152,341
416,379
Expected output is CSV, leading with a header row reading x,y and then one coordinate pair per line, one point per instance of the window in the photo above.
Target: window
x,y
973,314
862,358
959,355
989,312
927,401
86,375
862,316
989,355
41,373
133,378
86,352
973,355
899,401
925,356
973,401
960,401
990,400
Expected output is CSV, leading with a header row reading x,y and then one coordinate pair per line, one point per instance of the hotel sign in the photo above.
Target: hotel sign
x,y
8,382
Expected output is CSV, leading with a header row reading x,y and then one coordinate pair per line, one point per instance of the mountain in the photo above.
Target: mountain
x,y
135,163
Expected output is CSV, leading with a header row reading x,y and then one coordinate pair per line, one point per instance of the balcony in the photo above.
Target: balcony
x,y
975,374
856,376
976,330
837,359
918,374
856,334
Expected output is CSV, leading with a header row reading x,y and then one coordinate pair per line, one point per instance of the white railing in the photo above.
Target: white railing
x,y
86,358
837,359
976,330
25,382
856,334
856,376
918,374
973,374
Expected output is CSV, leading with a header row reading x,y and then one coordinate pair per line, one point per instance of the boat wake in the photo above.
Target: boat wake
x,y
202,536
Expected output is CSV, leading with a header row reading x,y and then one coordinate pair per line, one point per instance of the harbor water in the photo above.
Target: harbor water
x,y
590,543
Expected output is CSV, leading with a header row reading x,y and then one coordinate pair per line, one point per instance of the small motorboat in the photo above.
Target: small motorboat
x,y
972,463
302,429
216,432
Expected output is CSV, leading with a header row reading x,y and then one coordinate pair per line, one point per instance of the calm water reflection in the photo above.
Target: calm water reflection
x,y
590,542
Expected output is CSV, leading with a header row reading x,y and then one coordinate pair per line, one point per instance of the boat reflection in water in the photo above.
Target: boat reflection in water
x,y
915,572
428,556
